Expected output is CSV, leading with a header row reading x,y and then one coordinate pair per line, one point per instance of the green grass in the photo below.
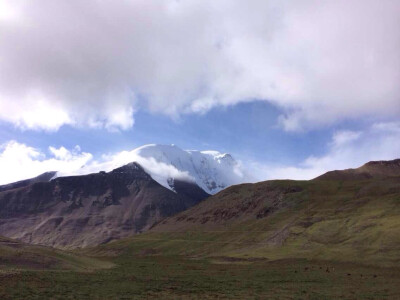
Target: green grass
x,y
15,257
175,277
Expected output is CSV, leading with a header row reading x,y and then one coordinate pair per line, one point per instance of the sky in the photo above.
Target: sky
x,y
291,89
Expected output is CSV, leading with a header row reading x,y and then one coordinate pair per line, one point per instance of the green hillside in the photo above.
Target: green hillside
x,y
348,221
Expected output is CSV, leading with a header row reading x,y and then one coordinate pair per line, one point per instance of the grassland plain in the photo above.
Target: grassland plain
x,y
137,276
325,239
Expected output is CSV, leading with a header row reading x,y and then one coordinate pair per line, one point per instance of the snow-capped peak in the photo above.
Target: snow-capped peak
x,y
211,170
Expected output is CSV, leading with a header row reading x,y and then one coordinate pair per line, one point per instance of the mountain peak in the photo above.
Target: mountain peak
x,y
132,169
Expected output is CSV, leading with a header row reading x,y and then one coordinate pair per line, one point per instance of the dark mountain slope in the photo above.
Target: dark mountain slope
x,y
78,211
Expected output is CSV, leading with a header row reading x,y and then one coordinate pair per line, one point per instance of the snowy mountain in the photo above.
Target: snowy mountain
x,y
211,170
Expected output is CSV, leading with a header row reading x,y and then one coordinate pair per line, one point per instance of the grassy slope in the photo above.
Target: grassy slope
x,y
16,256
348,221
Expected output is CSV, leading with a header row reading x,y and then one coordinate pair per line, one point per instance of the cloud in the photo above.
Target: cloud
x,y
348,149
19,161
344,137
393,127
94,63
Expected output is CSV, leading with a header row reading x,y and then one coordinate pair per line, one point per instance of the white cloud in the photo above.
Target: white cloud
x,y
348,149
388,126
19,161
64,154
94,63
344,137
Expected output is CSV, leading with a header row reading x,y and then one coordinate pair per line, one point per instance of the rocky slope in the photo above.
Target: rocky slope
x,y
78,211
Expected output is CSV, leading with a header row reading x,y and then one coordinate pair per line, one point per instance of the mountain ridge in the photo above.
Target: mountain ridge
x,y
44,177
371,169
77,211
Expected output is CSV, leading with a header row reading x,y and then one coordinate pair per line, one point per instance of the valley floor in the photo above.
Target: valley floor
x,y
149,275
